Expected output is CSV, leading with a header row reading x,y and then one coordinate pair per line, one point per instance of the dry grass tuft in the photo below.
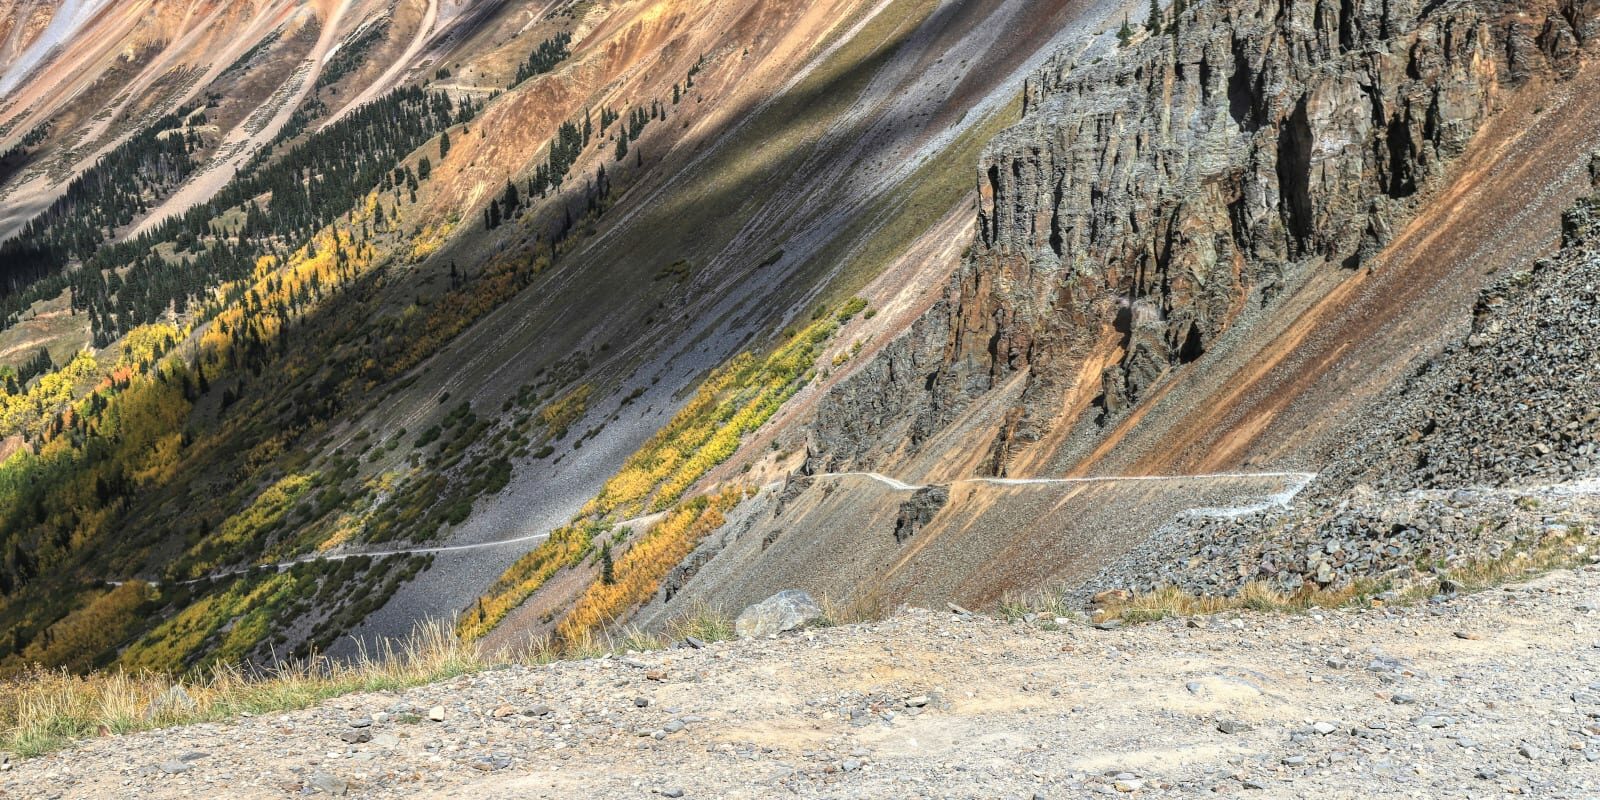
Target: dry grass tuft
x,y
703,622
44,710
1052,604
869,608
1171,601
1571,547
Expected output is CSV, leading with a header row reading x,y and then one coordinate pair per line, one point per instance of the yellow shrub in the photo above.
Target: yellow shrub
x,y
146,343
248,525
430,240
90,630
558,415
564,547
26,412
639,572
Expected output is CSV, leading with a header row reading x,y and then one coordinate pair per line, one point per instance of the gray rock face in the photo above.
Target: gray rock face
x,y
919,510
1147,200
785,611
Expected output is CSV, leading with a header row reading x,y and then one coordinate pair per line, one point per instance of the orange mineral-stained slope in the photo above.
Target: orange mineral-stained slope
x,y
1282,391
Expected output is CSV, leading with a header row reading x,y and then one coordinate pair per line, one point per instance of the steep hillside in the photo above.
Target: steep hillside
x,y
1150,204
1221,252
323,318
348,361
766,223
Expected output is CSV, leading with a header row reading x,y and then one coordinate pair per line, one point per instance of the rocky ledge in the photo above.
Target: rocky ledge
x,y
1150,201
1492,445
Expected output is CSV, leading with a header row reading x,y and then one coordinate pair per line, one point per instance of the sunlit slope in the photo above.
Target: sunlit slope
x,y
1219,248
98,72
584,211
738,217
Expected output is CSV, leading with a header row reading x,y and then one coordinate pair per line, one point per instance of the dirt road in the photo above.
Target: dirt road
x,y
1492,693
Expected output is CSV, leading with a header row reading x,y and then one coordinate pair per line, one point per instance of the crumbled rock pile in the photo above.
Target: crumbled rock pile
x,y
1519,401
1386,540
1493,445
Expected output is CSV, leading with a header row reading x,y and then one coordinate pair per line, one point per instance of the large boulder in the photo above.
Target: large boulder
x,y
785,611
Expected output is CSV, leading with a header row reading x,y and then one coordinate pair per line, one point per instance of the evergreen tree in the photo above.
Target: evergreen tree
x,y
424,168
444,141
1153,24
510,201
121,284
545,57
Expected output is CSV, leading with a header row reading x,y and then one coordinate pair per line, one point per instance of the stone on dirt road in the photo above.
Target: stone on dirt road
x,y
785,611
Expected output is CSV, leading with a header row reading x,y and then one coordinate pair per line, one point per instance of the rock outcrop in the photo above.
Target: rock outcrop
x,y
1147,202
1513,413
919,510
787,610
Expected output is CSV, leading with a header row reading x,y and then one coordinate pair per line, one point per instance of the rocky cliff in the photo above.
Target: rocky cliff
x,y
1487,450
1149,202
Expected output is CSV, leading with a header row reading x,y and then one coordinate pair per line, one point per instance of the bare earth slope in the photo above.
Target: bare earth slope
x,y
777,157
808,155
1491,693
1217,251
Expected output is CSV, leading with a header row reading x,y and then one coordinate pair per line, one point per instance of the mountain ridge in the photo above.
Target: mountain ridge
x,y
653,289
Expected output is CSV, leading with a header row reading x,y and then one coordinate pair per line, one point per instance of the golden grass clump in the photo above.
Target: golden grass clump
x,y
868,608
701,621
42,710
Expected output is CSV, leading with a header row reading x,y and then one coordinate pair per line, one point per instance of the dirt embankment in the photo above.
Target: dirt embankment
x,y
1491,693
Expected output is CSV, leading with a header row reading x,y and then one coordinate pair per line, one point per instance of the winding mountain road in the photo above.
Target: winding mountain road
x,y
1296,482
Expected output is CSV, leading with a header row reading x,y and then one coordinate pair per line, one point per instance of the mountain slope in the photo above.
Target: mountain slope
x,y
1222,251
461,351
558,316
